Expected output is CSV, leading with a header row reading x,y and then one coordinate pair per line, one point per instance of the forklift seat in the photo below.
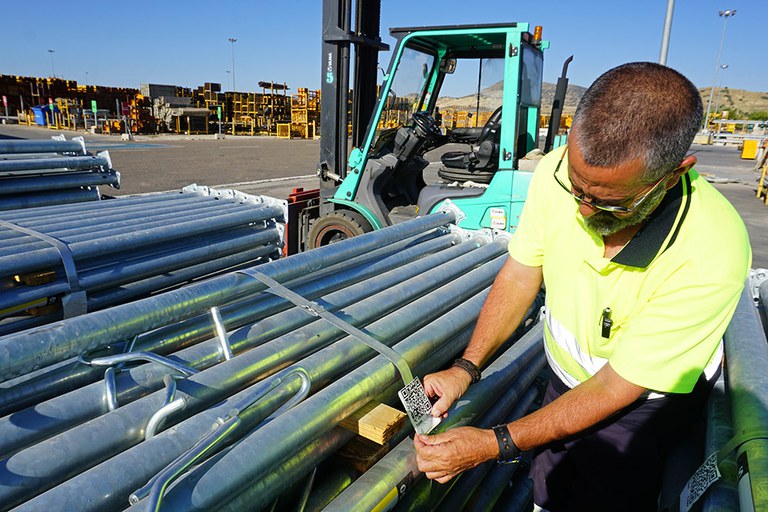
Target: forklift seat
x,y
486,155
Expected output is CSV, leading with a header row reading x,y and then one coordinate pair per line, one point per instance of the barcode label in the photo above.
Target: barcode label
x,y
704,477
418,407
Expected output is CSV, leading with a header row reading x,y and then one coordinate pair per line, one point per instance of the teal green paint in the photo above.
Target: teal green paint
x,y
348,188
533,129
365,212
512,67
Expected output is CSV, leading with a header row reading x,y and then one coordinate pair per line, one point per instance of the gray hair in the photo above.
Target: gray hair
x,y
638,110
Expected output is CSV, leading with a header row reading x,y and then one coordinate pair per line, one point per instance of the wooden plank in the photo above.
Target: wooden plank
x,y
361,454
375,421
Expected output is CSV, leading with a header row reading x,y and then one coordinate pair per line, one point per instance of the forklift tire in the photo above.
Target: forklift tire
x,y
336,227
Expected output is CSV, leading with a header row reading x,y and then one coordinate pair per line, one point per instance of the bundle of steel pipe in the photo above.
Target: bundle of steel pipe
x,y
63,260
91,447
36,173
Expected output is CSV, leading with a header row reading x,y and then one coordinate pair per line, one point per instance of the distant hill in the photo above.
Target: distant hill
x,y
738,101
490,97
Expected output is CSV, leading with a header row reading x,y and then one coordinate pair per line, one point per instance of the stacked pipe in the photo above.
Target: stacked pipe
x,y
63,260
737,413
46,172
417,287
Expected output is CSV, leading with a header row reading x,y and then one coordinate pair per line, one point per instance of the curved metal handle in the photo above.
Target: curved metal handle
x,y
222,428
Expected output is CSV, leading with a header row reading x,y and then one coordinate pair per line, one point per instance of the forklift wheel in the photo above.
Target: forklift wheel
x,y
336,227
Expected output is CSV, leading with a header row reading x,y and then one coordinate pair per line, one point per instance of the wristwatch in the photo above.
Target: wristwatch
x,y
509,453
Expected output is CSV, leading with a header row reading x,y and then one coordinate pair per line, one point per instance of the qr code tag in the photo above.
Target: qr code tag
x,y
418,407
704,477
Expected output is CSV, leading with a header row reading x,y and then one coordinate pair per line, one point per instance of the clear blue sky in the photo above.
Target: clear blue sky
x,y
185,43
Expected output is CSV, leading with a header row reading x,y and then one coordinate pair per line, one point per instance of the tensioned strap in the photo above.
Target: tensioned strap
x,y
315,309
74,303
738,440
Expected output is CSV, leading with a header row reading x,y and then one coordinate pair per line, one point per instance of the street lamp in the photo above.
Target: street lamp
x,y
53,70
665,34
722,78
233,40
725,15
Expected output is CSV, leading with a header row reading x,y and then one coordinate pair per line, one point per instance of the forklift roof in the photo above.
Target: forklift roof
x,y
457,39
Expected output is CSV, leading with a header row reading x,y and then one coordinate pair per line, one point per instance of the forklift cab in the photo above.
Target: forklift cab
x,y
460,103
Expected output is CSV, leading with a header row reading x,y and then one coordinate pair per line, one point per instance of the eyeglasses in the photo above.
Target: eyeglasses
x,y
581,198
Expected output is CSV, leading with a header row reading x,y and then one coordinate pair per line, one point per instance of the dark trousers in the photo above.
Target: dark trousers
x,y
616,465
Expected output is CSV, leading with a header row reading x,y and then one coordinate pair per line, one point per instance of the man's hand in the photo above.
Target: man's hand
x,y
443,456
448,386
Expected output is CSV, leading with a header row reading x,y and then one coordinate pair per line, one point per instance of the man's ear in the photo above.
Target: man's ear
x,y
685,166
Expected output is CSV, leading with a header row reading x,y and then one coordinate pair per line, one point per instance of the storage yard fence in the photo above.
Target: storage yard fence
x,y
236,392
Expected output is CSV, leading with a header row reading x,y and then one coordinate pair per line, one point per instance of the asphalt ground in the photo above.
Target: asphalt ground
x,y
274,167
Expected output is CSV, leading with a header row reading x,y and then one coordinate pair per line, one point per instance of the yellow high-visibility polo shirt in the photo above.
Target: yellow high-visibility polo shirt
x,y
671,290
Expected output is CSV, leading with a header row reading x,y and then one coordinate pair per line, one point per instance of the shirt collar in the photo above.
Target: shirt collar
x,y
648,242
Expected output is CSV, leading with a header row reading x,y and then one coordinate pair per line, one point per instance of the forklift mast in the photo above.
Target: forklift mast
x,y
338,38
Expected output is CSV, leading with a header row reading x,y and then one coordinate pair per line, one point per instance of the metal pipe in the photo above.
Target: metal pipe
x,y
665,34
49,182
20,146
141,356
517,497
723,496
292,344
159,484
746,352
77,335
322,367
173,337
309,420
373,488
34,260
221,334
109,275
36,200
70,162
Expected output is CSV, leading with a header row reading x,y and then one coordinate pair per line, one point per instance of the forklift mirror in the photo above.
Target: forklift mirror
x,y
424,70
448,66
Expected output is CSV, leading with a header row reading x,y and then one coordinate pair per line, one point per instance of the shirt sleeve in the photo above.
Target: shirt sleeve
x,y
528,240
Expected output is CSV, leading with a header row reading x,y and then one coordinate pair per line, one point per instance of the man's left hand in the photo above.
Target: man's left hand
x,y
443,456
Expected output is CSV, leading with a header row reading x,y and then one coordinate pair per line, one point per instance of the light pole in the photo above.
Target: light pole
x,y
717,98
233,41
53,70
86,79
725,15
665,34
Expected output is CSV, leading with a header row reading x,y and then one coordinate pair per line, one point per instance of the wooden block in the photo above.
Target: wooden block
x,y
361,454
375,421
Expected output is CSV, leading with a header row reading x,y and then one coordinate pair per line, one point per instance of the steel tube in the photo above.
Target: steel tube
x,y
153,264
723,495
746,353
173,337
43,258
372,488
312,418
292,341
20,146
120,473
59,181
77,335
39,164
36,200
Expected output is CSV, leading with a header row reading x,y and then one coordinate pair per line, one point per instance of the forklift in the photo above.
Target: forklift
x,y
469,96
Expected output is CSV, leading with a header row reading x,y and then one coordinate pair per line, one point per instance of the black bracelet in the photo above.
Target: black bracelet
x,y
469,367
509,453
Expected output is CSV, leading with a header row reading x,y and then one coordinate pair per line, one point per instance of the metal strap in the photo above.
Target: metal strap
x,y
315,309
74,303
738,440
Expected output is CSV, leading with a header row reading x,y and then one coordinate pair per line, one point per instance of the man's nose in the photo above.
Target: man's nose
x,y
586,209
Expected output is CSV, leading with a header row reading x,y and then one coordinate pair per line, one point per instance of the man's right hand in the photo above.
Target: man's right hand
x,y
448,385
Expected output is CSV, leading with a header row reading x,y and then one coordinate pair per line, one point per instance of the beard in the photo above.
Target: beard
x,y
606,223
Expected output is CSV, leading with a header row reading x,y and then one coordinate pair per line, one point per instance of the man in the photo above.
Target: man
x,y
643,263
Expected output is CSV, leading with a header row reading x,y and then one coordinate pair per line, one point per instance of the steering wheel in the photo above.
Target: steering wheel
x,y
491,125
426,124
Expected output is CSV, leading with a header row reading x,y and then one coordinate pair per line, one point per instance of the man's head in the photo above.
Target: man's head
x,y
632,130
